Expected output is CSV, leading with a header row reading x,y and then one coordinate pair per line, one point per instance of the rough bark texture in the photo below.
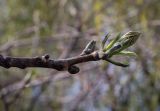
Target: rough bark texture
x,y
46,62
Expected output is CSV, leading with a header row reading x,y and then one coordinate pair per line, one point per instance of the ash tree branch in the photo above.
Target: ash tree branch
x,y
88,54
46,62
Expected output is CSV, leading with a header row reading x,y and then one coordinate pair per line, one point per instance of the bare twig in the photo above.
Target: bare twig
x,y
46,62
121,43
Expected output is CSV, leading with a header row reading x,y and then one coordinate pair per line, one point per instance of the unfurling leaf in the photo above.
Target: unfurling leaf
x,y
124,42
118,63
127,53
129,38
105,40
112,43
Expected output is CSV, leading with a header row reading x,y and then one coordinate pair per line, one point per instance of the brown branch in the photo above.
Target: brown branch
x,y
88,54
45,62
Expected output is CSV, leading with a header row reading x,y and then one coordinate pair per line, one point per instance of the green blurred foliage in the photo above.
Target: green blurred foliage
x,y
36,24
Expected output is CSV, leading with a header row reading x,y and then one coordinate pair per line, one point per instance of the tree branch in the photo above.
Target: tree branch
x,y
88,54
46,62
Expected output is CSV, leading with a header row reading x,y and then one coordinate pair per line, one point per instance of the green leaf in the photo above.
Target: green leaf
x,y
124,42
129,39
127,53
112,43
104,40
118,63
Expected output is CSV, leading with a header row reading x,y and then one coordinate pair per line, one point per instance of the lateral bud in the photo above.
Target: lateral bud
x,y
89,48
73,69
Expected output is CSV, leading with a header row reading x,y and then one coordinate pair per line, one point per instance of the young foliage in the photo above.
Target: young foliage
x,y
118,45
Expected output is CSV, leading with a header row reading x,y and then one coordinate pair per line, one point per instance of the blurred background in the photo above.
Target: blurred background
x,y
62,28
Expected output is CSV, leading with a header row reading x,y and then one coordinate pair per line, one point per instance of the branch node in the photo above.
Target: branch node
x,y
37,58
73,69
96,55
45,58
